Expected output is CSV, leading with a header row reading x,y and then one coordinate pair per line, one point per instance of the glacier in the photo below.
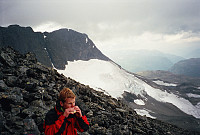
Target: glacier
x,y
106,75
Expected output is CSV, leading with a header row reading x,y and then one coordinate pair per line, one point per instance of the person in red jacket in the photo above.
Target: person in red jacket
x,y
65,118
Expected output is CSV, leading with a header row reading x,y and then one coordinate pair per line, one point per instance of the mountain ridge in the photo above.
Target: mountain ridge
x,y
51,48
141,60
189,67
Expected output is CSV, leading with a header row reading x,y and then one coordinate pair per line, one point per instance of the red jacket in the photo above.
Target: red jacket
x,y
57,124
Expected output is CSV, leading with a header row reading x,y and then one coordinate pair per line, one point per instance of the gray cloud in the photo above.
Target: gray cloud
x,y
106,20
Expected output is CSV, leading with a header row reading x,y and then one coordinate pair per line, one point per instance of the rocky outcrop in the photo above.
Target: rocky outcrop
x,y
55,48
24,40
67,45
29,89
189,67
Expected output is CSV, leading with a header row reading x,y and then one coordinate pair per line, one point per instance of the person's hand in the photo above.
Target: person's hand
x,y
69,111
78,112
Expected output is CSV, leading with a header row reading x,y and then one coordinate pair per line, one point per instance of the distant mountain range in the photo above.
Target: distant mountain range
x,y
189,67
141,60
146,60
75,55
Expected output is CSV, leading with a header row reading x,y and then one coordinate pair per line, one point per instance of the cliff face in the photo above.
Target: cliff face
x,y
24,39
28,90
55,48
67,45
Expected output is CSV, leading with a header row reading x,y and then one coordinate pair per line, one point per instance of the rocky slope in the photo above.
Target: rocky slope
x,y
55,48
189,67
28,90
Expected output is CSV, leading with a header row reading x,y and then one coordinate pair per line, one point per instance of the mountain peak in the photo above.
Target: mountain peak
x,y
56,48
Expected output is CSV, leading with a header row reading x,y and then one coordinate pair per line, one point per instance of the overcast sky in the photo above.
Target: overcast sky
x,y
167,25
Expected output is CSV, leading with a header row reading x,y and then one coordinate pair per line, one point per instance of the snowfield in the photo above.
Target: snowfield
x,y
164,83
143,112
139,102
193,95
106,75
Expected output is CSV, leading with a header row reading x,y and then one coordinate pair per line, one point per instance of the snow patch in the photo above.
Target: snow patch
x,y
49,58
107,76
193,95
164,83
139,102
143,112
198,105
86,40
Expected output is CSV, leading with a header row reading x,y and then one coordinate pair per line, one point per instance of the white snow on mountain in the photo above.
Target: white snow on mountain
x,y
139,102
198,105
193,95
106,75
143,112
164,83
86,40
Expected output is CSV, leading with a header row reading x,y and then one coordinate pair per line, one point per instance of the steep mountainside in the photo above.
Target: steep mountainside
x,y
55,48
189,67
24,40
28,90
67,45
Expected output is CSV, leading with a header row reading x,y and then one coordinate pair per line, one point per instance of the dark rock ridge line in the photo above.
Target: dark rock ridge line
x,y
29,89
55,48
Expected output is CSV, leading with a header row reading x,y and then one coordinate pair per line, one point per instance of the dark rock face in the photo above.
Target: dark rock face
x,y
28,90
189,67
56,47
24,39
67,45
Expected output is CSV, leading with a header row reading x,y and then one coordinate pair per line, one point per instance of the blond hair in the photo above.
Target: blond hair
x,y
66,93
